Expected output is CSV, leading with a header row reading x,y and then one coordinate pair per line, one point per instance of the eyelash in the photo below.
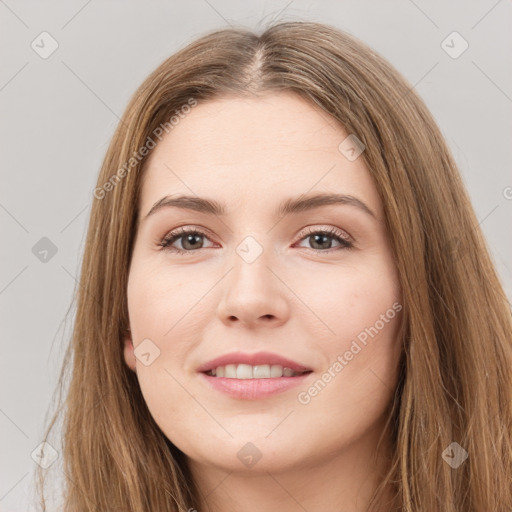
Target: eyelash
x,y
178,233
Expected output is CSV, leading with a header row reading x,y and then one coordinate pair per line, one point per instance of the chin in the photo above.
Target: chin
x,y
251,453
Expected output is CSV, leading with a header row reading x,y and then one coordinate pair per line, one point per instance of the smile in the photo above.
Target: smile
x,y
247,371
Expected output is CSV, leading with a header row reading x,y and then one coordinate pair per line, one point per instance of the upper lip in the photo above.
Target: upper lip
x,y
257,358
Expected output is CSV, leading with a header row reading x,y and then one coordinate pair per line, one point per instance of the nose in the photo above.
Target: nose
x,y
253,294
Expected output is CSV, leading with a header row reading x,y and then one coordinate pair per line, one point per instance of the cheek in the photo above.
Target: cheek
x,y
357,311
360,373
157,299
343,301
159,327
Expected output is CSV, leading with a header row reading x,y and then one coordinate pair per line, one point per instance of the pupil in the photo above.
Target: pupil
x,y
191,237
315,237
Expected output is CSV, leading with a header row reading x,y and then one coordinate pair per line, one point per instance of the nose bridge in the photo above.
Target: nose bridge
x,y
252,291
250,262
252,238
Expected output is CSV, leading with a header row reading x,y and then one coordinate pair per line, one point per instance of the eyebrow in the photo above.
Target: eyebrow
x,y
289,206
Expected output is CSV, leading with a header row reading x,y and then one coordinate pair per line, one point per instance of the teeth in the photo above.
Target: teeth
x,y
246,371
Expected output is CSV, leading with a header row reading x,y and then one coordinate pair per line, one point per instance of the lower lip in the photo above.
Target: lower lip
x,y
253,389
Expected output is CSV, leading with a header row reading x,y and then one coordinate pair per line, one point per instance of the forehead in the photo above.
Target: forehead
x,y
249,150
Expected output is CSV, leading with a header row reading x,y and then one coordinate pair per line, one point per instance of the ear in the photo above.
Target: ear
x,y
129,355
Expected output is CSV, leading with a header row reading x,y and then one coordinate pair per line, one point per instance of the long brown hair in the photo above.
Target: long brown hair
x,y
455,382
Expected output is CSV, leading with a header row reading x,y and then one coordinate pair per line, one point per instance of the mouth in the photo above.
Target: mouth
x,y
247,371
252,376
257,365
253,388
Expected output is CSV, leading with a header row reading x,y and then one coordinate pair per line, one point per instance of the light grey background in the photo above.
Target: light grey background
x,y
58,114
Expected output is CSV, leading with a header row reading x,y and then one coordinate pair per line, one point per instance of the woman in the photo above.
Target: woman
x,y
286,302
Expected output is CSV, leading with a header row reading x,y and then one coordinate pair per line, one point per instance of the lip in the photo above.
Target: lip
x,y
253,389
257,358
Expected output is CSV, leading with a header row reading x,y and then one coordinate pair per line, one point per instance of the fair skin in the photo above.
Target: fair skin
x,y
303,300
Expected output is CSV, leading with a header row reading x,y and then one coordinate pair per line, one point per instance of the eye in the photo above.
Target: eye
x,y
190,238
319,237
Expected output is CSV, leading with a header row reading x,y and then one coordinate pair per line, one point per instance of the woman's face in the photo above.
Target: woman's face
x,y
255,280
